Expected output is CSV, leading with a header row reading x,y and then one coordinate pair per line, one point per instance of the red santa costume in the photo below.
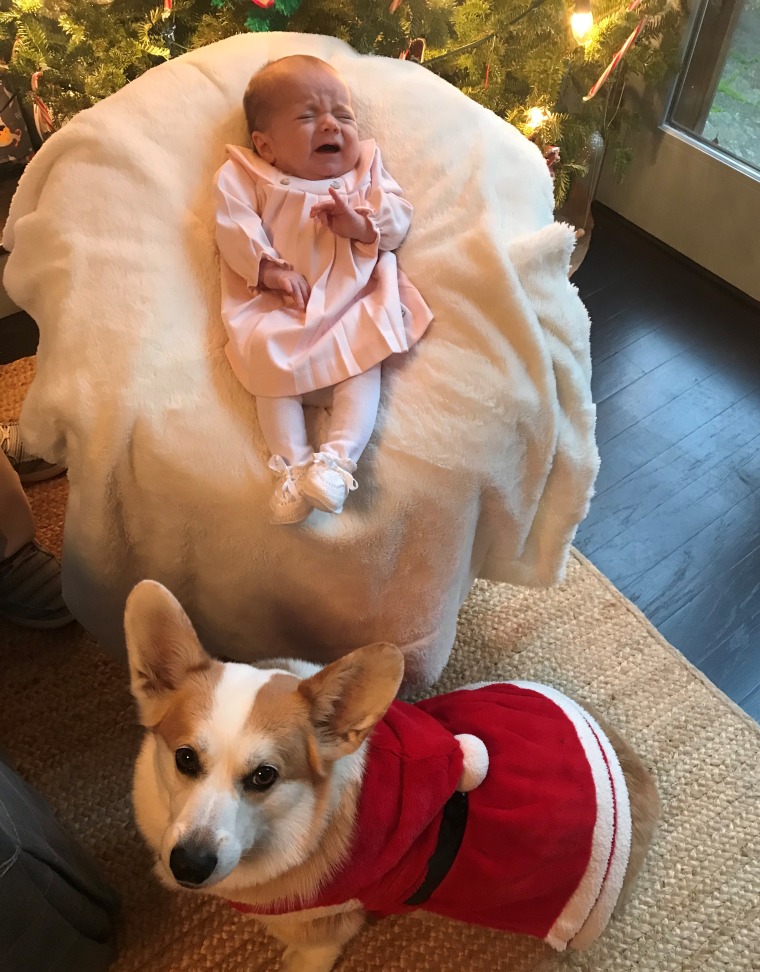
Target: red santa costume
x,y
539,847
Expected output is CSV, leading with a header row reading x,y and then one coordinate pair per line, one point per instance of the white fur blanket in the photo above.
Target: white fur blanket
x,y
483,459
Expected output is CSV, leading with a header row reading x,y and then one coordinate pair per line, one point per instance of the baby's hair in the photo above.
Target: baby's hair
x,y
261,90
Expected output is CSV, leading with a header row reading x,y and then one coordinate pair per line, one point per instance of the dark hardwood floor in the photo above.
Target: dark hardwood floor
x,y
675,523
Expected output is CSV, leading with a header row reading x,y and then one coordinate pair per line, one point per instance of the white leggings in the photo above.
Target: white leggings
x,y
353,412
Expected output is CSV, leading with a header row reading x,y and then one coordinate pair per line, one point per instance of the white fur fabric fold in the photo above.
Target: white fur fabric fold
x,y
483,459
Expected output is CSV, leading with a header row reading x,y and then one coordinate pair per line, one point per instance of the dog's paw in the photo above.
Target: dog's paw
x,y
320,959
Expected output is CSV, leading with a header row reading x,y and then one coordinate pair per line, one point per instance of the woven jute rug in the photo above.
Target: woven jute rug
x,y
68,722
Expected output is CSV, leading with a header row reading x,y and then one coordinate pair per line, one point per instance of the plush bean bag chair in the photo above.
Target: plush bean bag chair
x,y
483,457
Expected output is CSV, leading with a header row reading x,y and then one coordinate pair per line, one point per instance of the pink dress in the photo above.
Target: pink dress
x,y
361,308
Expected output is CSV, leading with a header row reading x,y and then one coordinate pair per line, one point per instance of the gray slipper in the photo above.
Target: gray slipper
x,y
30,589
30,468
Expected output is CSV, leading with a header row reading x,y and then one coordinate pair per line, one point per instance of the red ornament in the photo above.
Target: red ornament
x,y
265,4
415,52
551,154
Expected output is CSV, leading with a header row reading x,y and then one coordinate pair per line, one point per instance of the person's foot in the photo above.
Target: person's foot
x,y
287,504
30,468
328,481
30,589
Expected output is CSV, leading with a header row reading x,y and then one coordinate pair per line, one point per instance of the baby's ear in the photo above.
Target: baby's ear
x,y
348,697
263,145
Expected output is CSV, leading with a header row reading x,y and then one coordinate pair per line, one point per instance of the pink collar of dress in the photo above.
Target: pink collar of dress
x,y
264,172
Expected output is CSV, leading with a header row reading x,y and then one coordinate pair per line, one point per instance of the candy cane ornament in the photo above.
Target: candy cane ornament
x,y
620,54
43,119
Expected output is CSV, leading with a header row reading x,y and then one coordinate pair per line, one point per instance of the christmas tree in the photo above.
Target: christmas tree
x,y
535,66
520,58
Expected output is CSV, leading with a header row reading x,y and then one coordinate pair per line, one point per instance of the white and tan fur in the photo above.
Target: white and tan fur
x,y
257,846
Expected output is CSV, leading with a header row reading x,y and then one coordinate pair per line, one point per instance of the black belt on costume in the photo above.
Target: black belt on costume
x,y
450,836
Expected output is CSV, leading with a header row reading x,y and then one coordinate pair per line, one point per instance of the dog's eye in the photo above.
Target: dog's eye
x,y
187,762
260,779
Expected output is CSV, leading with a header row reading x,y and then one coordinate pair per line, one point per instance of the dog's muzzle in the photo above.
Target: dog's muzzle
x,y
192,863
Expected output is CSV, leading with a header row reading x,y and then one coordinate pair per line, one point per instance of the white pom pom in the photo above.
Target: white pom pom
x,y
475,762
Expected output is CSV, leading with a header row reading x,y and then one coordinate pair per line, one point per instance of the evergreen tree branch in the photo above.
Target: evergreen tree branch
x,y
467,48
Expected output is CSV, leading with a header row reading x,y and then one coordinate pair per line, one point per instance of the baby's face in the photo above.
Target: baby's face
x,y
311,131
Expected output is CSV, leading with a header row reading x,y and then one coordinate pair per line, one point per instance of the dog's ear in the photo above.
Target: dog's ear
x,y
162,646
349,696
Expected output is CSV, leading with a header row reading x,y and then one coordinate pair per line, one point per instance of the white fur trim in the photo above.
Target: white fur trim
x,y
613,881
588,910
475,762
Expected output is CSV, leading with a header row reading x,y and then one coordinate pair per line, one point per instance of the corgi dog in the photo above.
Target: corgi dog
x,y
310,797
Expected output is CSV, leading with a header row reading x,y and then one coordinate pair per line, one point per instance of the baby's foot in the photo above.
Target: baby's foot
x,y
328,481
287,504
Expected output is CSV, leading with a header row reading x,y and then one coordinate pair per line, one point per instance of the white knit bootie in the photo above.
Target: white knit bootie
x,y
328,481
287,504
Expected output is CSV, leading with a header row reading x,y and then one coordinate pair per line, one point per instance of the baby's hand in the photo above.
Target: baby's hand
x,y
289,282
337,215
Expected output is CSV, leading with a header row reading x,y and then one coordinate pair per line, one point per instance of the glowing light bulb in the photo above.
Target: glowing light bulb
x,y
536,117
582,21
581,25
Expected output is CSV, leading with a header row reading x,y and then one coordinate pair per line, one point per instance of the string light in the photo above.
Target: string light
x,y
536,117
582,21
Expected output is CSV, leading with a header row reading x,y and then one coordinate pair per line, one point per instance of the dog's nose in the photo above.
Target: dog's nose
x,y
192,863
